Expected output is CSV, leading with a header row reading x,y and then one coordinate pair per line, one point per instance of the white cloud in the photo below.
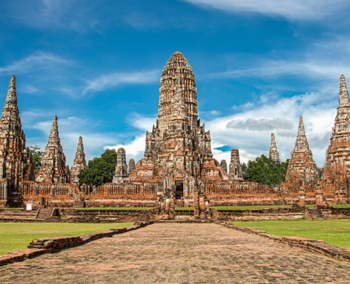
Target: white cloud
x,y
115,79
289,9
276,68
318,111
275,114
261,124
141,122
134,148
38,60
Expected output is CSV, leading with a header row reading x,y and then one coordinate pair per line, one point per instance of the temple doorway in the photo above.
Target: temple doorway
x,y
179,189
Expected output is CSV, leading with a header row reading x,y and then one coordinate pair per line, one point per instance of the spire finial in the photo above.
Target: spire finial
x,y
301,129
343,92
54,127
11,98
13,81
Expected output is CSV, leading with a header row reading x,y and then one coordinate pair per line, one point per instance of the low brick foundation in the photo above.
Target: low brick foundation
x,y
316,246
49,245
282,213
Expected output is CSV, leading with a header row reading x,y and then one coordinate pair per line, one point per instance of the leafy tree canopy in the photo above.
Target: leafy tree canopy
x,y
36,155
99,170
264,171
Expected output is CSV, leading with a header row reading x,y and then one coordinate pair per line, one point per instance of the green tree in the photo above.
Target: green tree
x,y
99,170
264,171
36,155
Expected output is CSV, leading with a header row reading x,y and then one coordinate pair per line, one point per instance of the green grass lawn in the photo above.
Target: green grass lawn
x,y
253,207
114,208
340,205
17,236
335,232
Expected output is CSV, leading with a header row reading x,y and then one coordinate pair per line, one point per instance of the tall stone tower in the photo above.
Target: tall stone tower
x,y
223,165
178,150
131,165
273,154
235,167
79,162
15,158
177,76
53,163
301,168
121,168
337,165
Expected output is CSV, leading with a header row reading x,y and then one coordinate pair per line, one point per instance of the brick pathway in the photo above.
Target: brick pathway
x,y
179,253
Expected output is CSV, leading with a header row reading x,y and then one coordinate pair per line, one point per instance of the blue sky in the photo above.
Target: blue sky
x,y
97,65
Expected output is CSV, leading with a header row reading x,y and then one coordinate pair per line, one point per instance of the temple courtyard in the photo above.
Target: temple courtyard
x,y
179,253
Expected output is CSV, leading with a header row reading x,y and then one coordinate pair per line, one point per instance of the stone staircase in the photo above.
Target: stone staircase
x,y
79,204
17,215
314,214
44,213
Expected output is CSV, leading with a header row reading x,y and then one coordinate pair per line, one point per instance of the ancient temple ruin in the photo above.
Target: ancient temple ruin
x,y
302,170
235,173
15,158
273,153
336,172
223,165
53,167
178,149
132,165
121,168
178,167
79,162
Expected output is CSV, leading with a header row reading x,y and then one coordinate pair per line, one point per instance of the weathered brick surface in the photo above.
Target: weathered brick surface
x,y
180,253
47,245
336,174
16,162
316,246
258,214
302,170
53,167
178,149
235,173
79,163
121,168
273,153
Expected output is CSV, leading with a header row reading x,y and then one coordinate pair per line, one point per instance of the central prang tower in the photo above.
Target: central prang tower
x,y
178,150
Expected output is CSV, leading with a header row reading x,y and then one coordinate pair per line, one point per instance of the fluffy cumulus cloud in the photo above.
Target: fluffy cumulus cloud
x,y
289,9
261,124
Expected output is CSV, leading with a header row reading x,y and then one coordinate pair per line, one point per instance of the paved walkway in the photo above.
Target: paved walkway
x,y
179,253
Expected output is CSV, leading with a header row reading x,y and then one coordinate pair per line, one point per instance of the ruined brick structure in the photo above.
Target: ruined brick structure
x,y
235,166
53,167
79,162
223,165
273,154
336,172
131,165
121,168
16,162
178,168
178,150
302,170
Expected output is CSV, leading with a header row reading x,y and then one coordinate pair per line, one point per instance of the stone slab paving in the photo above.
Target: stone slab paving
x,y
179,253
